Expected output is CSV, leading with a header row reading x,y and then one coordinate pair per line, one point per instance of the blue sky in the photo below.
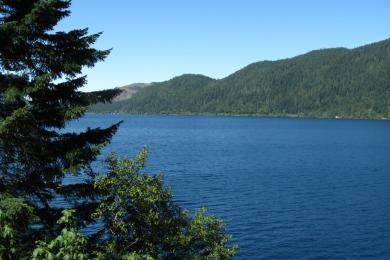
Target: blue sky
x,y
155,40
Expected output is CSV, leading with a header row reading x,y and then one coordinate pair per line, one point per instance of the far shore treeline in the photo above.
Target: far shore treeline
x,y
338,82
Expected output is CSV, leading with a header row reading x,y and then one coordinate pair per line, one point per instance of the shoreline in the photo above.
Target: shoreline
x,y
245,115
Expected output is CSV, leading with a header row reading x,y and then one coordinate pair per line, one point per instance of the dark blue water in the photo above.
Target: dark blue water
x,y
286,188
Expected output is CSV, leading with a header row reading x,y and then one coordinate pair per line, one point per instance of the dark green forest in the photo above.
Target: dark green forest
x,y
338,82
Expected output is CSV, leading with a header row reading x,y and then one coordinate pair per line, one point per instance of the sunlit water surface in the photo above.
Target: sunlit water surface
x,y
286,188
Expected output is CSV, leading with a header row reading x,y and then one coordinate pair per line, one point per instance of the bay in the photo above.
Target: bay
x,y
286,188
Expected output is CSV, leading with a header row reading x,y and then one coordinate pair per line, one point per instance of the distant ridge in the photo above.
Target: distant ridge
x,y
129,90
337,82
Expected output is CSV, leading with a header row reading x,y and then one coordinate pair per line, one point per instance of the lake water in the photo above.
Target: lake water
x,y
286,188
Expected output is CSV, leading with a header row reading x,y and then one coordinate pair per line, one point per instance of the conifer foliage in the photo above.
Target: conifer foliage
x,y
135,215
40,74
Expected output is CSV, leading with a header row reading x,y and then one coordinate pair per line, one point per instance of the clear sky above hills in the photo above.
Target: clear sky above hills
x,y
157,40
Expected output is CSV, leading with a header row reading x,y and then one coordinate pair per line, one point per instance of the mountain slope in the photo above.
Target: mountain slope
x,y
164,97
326,83
129,90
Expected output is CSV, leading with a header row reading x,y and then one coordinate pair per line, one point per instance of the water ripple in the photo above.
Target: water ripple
x,y
286,188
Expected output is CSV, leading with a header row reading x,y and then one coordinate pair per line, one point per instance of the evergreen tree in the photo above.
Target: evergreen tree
x,y
39,81
40,74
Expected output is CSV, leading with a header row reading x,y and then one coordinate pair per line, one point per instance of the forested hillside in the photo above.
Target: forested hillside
x,y
325,83
129,90
165,97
